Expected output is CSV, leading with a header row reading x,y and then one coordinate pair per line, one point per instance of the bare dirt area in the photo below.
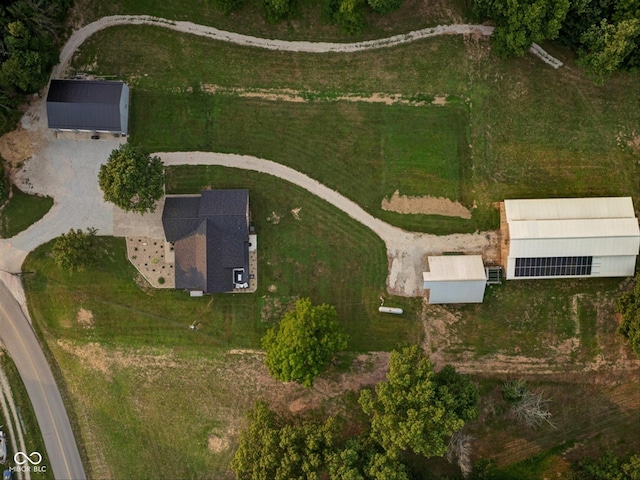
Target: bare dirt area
x,y
425,205
296,96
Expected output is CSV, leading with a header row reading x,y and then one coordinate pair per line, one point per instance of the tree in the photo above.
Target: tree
x,y
519,23
132,179
348,14
628,305
412,410
271,449
303,344
608,467
384,6
606,46
75,250
276,10
363,459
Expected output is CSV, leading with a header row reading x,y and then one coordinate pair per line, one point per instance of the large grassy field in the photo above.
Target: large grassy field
x,y
511,128
532,130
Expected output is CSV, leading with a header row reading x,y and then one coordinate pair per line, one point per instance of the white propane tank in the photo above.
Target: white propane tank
x,y
395,311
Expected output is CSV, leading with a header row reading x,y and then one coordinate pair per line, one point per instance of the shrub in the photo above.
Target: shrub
x,y
276,10
348,14
161,280
384,6
228,6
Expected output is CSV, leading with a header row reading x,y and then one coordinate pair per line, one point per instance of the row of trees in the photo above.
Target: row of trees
x,y
349,15
604,33
415,412
28,46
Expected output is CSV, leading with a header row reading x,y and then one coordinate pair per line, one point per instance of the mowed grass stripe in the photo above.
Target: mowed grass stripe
x,y
365,151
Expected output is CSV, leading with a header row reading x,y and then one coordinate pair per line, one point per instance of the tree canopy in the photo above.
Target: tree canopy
x,y
519,23
628,304
271,449
132,179
302,345
75,250
417,409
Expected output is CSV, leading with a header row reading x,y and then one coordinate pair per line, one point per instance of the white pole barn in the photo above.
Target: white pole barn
x,y
569,237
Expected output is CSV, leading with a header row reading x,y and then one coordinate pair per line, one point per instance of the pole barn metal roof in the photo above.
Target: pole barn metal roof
x,y
87,105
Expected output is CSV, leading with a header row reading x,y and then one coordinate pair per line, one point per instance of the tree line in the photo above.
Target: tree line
x,y
605,34
31,34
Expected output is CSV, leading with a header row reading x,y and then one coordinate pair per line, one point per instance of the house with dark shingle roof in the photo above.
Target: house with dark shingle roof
x,y
210,235
88,106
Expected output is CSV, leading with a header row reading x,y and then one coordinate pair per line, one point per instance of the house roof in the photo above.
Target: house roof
x,y
86,105
210,233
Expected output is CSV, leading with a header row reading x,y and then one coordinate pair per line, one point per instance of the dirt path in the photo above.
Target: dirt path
x,y
79,36
13,428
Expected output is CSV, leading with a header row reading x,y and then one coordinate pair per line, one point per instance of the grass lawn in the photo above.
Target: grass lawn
x,y
532,318
534,131
367,151
22,211
296,257
32,436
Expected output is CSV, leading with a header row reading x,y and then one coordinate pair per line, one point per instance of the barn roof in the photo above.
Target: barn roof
x,y
92,105
451,268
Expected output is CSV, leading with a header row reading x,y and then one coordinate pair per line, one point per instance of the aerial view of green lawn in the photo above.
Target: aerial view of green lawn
x,y
446,117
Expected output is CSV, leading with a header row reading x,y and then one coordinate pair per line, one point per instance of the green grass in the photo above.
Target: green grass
x,y
534,131
531,318
296,257
366,151
22,211
32,436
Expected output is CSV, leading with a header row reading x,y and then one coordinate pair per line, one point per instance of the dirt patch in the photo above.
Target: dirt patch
x,y
85,318
274,218
96,357
296,213
439,100
425,205
17,146
298,96
217,444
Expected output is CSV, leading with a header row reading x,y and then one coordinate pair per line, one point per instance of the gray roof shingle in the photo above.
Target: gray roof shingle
x,y
211,236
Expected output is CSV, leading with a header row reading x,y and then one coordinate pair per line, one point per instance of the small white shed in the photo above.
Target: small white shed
x,y
569,237
455,279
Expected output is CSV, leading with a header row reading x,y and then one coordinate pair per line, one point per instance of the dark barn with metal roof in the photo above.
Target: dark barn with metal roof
x,y
210,233
88,106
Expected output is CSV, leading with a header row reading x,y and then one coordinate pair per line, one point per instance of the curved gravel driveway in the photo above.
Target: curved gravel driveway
x,y
79,36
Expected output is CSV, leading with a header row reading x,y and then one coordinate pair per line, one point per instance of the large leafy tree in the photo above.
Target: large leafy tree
x,y
76,249
271,449
363,459
519,23
132,179
415,409
302,345
628,304
606,46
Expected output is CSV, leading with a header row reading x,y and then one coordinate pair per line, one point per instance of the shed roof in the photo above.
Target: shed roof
x,y
569,208
454,268
85,105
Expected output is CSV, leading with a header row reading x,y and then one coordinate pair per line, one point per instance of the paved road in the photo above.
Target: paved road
x,y
23,346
